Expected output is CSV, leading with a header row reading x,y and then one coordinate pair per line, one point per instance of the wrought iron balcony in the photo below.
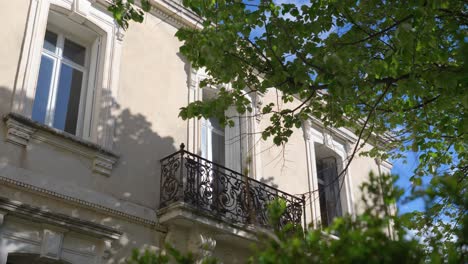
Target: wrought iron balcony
x,y
221,192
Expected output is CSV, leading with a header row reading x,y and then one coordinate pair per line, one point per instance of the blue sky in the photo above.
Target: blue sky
x,y
405,171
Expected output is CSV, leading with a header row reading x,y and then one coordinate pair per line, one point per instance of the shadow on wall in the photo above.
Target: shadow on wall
x,y
141,150
135,177
269,181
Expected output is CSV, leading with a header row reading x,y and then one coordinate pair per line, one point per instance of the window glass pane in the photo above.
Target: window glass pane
x,y
50,41
218,148
74,52
216,125
204,139
42,89
329,190
323,205
68,99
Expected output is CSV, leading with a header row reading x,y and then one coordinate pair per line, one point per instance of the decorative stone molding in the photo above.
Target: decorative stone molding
x,y
107,250
306,129
20,130
56,223
175,14
51,244
79,202
202,245
80,10
349,147
120,34
103,164
18,133
3,213
327,139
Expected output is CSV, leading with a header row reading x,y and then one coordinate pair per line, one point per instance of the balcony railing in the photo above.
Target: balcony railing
x,y
221,192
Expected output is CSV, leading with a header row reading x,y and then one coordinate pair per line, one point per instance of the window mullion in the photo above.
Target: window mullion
x,y
56,75
53,92
73,65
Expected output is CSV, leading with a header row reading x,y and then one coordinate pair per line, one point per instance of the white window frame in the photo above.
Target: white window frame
x,y
57,57
207,147
338,143
97,121
327,188
195,131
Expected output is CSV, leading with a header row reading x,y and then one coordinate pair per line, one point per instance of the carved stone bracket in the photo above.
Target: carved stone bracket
x,y
120,33
18,133
107,250
202,245
327,139
52,240
103,164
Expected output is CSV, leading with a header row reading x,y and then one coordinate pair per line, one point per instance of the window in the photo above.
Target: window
x,y
226,146
60,89
329,186
68,73
213,141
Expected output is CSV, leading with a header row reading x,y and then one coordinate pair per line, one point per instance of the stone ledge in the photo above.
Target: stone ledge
x,y
76,196
20,130
38,215
183,214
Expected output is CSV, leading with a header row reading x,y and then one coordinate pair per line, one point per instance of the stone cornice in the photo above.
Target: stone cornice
x,y
171,12
82,203
39,215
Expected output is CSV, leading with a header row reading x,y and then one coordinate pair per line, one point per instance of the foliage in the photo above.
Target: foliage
x,y
126,10
168,255
362,239
389,68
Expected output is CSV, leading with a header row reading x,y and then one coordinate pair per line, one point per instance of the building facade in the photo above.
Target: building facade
x,y
95,162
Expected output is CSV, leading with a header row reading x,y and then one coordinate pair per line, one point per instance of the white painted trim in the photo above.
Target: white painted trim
x,y
334,142
194,137
311,177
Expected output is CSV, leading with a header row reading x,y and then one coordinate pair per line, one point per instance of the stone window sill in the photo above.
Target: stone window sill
x,y
21,129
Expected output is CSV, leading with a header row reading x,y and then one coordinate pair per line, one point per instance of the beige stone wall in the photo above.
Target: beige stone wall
x,y
283,166
12,32
359,173
152,88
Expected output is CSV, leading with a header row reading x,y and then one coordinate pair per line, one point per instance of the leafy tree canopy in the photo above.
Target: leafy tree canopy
x,y
373,66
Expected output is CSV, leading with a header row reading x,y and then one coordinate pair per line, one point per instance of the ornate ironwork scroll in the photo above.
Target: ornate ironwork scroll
x,y
222,192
